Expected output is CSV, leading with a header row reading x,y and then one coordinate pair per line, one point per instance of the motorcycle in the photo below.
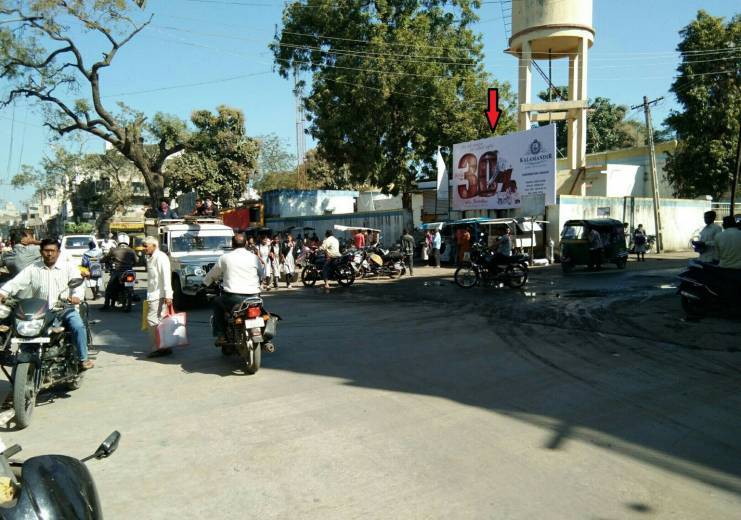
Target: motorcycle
x,y
95,270
706,287
51,487
46,354
383,262
341,270
125,291
485,266
249,330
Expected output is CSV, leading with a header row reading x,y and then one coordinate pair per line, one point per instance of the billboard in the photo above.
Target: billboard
x,y
496,172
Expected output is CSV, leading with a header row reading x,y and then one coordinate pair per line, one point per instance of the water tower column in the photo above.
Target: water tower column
x,y
572,114
581,150
525,85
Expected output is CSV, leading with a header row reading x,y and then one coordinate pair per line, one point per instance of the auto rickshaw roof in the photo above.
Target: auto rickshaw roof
x,y
595,222
340,227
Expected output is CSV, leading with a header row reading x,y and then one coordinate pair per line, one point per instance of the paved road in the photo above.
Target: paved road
x,y
386,402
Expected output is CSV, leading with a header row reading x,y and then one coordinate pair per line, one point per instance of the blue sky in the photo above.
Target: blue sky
x,y
223,45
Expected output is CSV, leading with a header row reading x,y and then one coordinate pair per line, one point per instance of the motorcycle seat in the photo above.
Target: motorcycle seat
x,y
395,255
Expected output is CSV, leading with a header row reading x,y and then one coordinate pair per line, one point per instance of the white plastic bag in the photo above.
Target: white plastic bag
x,y
172,331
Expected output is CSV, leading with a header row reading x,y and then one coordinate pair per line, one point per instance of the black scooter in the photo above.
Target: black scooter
x,y
705,288
50,487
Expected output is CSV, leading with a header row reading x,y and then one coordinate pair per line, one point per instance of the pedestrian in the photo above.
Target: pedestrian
x,y
27,252
159,292
407,246
464,246
288,259
595,250
274,257
437,241
164,211
359,240
706,245
251,246
209,208
263,253
198,211
639,243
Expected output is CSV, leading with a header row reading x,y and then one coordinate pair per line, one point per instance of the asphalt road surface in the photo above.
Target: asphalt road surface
x,y
417,399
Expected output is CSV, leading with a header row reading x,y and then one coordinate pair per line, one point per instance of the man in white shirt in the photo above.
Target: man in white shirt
x,y
159,290
728,245
707,238
241,272
331,246
108,244
48,280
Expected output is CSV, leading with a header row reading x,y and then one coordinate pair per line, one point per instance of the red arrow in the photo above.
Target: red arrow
x,y
492,113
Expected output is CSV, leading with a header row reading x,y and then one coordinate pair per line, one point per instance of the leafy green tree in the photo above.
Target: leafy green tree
x,y
219,157
43,59
708,88
395,79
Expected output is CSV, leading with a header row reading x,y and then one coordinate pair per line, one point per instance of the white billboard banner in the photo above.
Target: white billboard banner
x,y
442,177
496,172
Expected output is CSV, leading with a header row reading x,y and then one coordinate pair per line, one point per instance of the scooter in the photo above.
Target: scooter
x,y
94,281
706,287
51,487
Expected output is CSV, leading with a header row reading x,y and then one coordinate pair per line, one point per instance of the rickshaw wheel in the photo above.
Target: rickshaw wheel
x,y
567,267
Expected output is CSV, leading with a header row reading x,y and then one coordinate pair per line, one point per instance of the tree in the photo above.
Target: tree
x,y
395,79
42,60
274,155
708,88
219,157
607,128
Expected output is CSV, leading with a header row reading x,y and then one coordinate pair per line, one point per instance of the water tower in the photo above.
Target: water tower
x,y
554,29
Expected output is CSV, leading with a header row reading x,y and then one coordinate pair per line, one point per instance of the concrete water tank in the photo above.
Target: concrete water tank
x,y
555,25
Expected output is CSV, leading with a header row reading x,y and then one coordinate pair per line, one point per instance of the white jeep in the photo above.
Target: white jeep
x,y
193,245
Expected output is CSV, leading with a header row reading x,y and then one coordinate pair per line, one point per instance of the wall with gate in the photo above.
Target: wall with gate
x,y
680,218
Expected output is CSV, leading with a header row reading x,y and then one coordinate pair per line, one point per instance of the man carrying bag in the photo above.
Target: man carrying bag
x,y
159,293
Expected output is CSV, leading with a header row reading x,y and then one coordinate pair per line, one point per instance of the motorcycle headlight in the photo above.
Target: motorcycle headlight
x,y
29,328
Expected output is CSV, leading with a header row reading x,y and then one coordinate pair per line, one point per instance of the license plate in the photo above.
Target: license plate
x,y
129,284
254,323
466,256
16,341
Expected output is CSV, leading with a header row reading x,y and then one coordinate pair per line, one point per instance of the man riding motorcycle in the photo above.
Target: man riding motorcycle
x,y
47,280
123,259
241,271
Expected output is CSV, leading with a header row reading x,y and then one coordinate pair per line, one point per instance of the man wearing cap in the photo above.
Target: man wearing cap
x,y
123,259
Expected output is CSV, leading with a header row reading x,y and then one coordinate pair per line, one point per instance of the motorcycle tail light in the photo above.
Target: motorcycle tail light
x,y
130,277
253,312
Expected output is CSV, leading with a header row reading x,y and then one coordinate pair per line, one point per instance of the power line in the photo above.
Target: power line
x,y
186,85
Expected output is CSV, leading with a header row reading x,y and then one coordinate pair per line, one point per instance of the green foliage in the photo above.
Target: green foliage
x,y
219,157
708,87
396,79
81,228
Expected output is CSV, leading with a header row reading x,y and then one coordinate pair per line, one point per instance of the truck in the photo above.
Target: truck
x,y
194,245
134,228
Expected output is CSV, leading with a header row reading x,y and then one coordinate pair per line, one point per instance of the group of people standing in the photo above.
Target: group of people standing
x,y
277,254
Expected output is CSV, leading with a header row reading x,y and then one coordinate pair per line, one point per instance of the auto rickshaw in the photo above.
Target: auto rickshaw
x,y
575,242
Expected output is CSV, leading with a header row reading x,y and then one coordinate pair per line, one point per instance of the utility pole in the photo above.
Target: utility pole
x,y
300,137
734,182
654,178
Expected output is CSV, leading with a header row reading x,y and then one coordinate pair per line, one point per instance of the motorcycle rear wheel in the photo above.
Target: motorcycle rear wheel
x,y
254,357
24,393
344,275
693,308
466,276
309,276
516,275
129,299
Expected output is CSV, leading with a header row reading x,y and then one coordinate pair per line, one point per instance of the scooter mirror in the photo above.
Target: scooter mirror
x,y
75,283
109,446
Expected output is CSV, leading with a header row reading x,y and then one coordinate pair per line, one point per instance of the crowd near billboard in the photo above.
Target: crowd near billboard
x,y
495,173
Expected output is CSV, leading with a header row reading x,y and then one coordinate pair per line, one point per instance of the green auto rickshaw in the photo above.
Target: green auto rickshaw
x,y
575,243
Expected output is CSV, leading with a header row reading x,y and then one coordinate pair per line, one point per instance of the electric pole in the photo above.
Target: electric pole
x,y
654,178
300,137
734,182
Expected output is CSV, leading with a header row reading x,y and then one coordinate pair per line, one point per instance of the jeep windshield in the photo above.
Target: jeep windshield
x,y
189,241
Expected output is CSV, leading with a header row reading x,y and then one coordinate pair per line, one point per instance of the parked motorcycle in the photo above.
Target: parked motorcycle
x,y
383,262
486,267
51,487
706,287
46,355
249,330
341,271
